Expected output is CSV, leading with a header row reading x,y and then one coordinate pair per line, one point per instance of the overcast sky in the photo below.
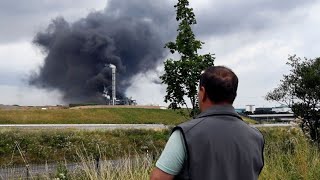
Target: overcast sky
x,y
254,38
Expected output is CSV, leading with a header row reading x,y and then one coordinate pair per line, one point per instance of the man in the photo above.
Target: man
x,y
217,144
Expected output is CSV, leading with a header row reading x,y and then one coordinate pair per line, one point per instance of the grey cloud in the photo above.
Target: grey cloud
x,y
78,52
10,78
227,17
20,19
30,7
159,12
218,18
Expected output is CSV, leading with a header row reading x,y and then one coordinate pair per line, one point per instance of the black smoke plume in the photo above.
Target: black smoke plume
x,y
129,34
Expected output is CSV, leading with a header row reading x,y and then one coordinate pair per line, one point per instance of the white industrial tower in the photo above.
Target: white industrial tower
x,y
250,108
113,68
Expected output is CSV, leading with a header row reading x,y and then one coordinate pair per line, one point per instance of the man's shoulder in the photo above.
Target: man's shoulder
x,y
186,126
258,133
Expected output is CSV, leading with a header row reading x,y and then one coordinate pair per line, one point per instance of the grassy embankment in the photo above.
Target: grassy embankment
x,y
90,116
93,116
288,155
41,146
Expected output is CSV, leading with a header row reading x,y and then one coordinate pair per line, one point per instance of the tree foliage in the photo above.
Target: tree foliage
x,y
300,90
182,75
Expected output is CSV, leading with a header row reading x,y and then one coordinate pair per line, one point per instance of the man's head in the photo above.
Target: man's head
x,y
218,85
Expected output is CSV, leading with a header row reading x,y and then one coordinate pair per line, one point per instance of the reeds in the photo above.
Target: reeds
x,y
288,155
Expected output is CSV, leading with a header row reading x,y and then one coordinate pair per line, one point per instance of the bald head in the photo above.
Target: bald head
x,y
220,84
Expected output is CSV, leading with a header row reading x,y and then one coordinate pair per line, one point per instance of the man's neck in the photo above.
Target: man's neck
x,y
212,104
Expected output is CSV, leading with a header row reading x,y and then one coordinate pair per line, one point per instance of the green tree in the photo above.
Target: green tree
x,y
300,90
182,75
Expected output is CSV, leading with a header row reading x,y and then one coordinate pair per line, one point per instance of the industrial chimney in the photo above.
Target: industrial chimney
x,y
113,68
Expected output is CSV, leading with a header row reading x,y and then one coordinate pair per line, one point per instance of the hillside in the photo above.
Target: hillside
x,y
93,116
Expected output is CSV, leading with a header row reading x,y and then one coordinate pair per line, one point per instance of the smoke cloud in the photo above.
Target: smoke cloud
x,y
129,34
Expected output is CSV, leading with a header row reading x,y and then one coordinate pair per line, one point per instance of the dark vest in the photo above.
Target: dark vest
x,y
220,146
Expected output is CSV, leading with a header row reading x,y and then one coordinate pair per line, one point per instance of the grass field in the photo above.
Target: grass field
x,y
288,154
90,116
93,116
40,146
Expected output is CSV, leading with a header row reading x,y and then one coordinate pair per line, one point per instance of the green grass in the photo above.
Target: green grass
x,y
288,154
90,116
249,120
94,116
40,146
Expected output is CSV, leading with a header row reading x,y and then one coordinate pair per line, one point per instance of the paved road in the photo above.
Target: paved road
x,y
109,126
85,126
274,125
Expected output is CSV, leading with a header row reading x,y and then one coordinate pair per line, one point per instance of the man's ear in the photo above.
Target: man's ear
x,y
204,94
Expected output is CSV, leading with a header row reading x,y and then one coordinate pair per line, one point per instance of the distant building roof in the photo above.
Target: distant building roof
x,y
240,110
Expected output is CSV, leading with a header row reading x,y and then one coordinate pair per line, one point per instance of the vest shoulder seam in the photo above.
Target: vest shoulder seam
x,y
200,121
